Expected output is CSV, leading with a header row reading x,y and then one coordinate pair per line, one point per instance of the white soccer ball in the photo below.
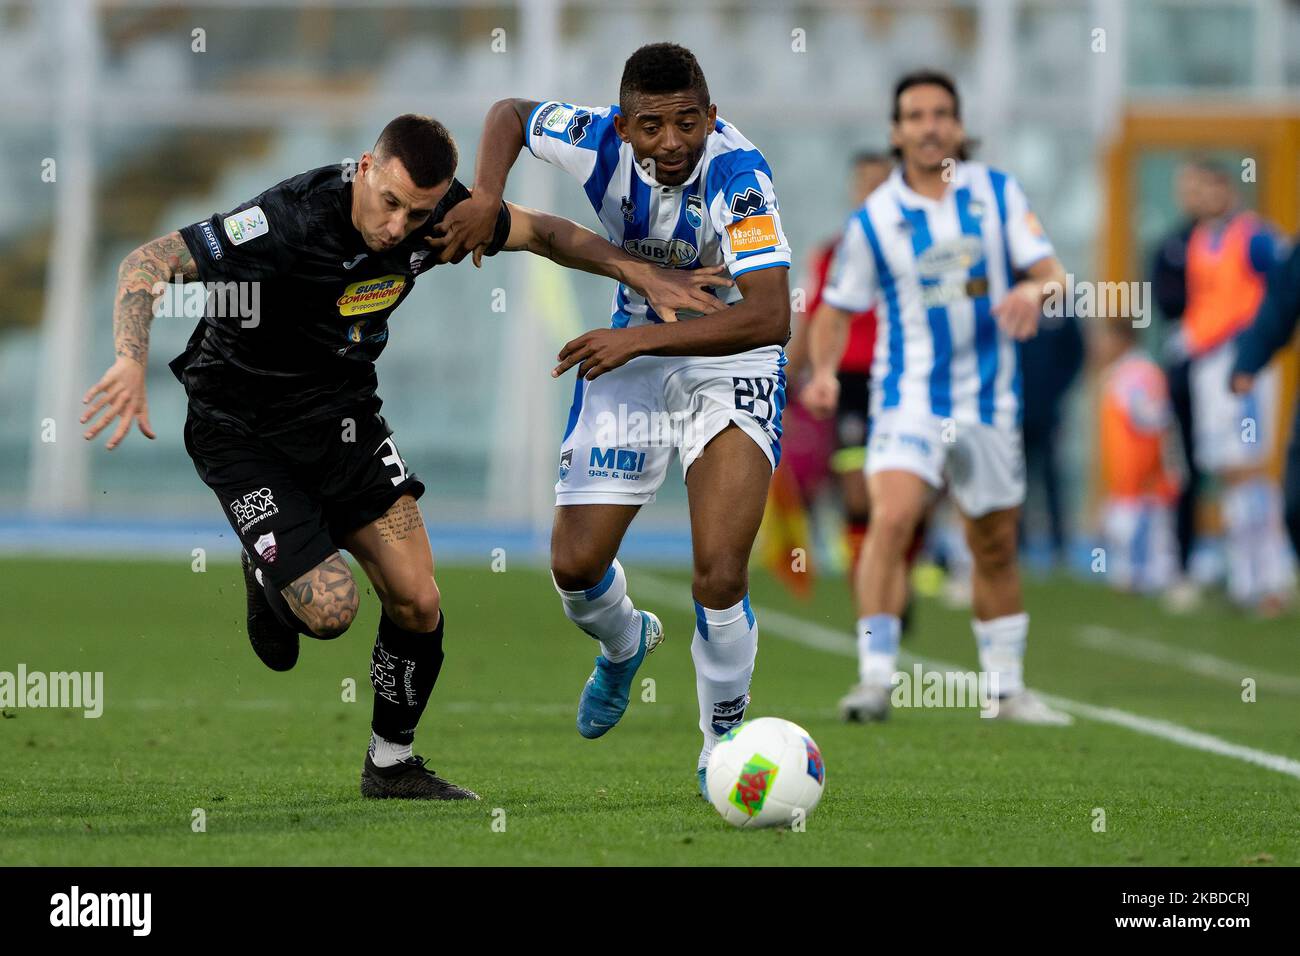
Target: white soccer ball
x,y
766,772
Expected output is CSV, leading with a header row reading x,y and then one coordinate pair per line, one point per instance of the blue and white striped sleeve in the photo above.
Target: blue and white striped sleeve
x,y
851,282
744,212
569,136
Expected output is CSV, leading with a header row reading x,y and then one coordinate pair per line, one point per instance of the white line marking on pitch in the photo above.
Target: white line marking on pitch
x,y
1112,641
818,636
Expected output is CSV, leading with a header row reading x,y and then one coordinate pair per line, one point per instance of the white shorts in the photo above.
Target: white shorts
x,y
1232,431
623,426
1141,553
983,464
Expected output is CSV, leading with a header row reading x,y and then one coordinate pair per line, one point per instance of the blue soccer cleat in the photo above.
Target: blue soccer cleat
x,y
605,697
704,786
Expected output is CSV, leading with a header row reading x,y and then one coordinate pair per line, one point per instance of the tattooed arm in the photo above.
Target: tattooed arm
x,y
121,390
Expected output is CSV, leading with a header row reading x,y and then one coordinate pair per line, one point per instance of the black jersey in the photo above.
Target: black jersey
x,y
323,300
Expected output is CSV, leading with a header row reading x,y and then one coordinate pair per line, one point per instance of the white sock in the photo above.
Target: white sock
x,y
606,613
1001,644
385,753
878,648
1259,558
723,648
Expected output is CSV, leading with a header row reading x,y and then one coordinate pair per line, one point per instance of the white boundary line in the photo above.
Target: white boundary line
x,y
1109,640
822,638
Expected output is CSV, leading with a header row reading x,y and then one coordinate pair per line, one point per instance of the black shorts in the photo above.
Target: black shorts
x,y
852,422
292,497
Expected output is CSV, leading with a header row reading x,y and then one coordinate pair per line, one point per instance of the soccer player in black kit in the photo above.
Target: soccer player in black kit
x,y
284,422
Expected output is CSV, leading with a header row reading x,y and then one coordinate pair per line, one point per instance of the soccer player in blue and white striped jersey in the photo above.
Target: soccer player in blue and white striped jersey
x,y
957,266
676,185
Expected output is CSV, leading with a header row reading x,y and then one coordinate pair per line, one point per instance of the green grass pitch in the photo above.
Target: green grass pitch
x,y
193,721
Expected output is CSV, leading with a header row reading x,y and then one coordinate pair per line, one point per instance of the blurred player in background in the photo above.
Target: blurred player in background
x,y
957,265
1271,331
683,189
1169,286
283,419
1139,489
1230,252
850,422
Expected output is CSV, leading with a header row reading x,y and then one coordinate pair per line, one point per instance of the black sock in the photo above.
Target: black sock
x,y
283,612
403,670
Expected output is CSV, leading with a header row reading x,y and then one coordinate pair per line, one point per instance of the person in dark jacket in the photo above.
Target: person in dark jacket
x,y
1274,324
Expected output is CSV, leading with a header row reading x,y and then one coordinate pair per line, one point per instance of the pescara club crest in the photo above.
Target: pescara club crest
x,y
566,461
695,211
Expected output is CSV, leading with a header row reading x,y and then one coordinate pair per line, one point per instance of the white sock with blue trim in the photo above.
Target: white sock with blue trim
x,y
723,648
878,649
606,613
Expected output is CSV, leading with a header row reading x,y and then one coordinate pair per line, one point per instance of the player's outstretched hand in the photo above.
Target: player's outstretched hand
x,y
467,227
668,290
821,395
121,397
1018,313
598,352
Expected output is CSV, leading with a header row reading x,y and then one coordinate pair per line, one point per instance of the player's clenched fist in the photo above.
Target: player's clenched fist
x,y
119,395
598,352
821,395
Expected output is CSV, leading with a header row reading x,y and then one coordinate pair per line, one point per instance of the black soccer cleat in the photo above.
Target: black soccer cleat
x,y
409,780
275,644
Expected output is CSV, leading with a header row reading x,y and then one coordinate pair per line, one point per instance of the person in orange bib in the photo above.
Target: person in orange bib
x,y
1138,487
1229,254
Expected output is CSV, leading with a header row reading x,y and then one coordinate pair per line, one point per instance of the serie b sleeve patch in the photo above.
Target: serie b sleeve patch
x,y
753,233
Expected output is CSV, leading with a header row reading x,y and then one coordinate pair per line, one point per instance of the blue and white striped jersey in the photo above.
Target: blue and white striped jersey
x,y
726,212
935,269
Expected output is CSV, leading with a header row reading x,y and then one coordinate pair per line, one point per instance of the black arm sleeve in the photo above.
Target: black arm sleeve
x,y
254,241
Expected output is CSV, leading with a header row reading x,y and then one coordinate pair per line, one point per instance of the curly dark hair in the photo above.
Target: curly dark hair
x,y
661,68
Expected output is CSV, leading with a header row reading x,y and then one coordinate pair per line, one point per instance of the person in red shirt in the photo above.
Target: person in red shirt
x,y
848,457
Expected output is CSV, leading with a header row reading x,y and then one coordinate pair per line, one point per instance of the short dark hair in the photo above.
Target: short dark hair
x,y
869,157
661,68
424,146
927,77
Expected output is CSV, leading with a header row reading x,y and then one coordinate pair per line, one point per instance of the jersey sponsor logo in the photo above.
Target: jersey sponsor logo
x,y
253,507
664,252
695,211
246,224
753,233
625,463
210,237
266,548
747,203
371,295
952,256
